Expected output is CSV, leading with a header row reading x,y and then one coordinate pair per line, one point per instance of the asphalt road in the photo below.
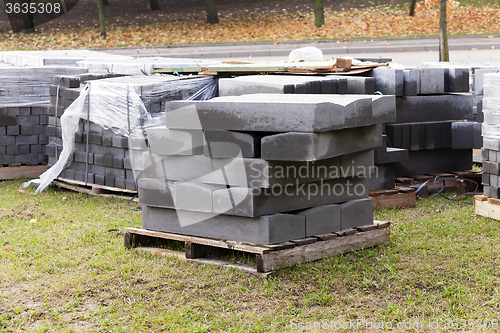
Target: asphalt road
x,y
476,50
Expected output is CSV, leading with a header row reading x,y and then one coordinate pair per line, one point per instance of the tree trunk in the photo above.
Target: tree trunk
x,y
154,5
319,13
212,16
412,7
444,54
105,2
102,20
28,23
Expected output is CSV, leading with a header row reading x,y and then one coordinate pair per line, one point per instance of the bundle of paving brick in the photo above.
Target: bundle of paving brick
x,y
102,155
431,107
23,135
24,100
262,168
491,136
29,86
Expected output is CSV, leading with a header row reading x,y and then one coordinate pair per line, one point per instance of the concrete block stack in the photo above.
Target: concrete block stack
x,y
431,105
296,84
30,85
102,156
491,136
24,100
23,134
385,157
478,88
262,168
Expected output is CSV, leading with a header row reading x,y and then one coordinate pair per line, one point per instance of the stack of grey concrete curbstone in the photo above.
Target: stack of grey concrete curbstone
x,y
491,136
431,104
101,156
262,168
385,157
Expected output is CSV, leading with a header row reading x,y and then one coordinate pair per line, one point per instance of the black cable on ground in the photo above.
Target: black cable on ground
x,y
118,232
440,191
138,208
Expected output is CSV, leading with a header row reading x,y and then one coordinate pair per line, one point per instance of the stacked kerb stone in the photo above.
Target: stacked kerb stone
x,y
294,84
101,155
262,168
386,157
491,136
429,101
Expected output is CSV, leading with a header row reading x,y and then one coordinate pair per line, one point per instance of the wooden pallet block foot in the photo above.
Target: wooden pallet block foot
x,y
397,197
16,171
487,207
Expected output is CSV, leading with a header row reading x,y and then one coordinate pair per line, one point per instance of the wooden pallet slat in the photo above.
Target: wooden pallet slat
x,y
200,240
94,189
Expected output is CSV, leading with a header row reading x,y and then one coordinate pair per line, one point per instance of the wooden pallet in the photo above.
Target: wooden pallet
x,y
339,66
94,189
15,171
268,258
396,197
488,207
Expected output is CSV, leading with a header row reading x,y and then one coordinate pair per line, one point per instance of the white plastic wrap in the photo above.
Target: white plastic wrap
x,y
137,66
491,106
27,86
52,57
123,105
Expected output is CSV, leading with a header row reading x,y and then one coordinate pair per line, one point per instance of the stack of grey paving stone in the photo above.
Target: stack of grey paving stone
x,y
101,155
262,168
491,136
23,134
431,107
24,100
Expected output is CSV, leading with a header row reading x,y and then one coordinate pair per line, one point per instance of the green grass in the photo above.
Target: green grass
x,y
62,271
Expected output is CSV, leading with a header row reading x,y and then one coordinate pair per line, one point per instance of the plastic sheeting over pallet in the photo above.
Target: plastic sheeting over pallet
x,y
491,107
124,105
29,86
136,66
